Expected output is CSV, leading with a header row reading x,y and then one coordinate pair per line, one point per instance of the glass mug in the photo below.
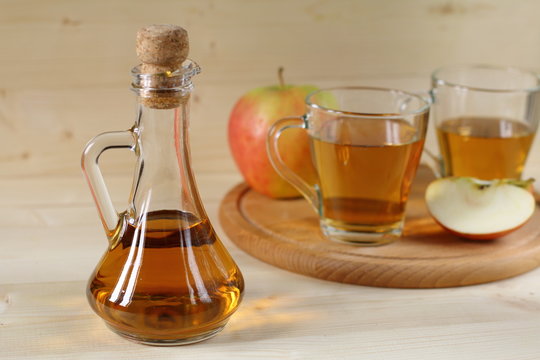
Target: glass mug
x,y
486,118
366,144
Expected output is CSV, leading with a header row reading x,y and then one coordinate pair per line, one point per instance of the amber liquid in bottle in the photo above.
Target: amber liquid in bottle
x,y
169,279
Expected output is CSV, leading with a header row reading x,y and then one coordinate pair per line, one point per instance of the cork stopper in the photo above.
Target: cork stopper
x,y
162,49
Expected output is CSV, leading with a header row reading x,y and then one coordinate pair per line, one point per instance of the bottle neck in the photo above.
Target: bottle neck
x,y
161,131
163,177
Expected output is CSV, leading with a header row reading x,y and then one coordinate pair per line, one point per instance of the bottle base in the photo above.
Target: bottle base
x,y
167,342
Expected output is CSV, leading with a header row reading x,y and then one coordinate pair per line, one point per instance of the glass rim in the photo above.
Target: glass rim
x,y
436,78
176,80
426,103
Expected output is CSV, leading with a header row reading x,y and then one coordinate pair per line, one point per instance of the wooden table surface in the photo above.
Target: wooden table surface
x,y
51,240
64,77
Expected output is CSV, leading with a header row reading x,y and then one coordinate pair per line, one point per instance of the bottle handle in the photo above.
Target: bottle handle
x,y
89,163
294,122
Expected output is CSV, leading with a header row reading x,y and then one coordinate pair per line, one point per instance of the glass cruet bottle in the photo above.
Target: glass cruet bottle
x,y
166,278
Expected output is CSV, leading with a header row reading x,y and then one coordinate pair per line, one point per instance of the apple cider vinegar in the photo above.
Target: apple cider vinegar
x,y
383,155
484,147
166,279
141,286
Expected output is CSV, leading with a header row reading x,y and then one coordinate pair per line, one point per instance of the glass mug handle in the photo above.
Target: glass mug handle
x,y
435,162
89,163
294,122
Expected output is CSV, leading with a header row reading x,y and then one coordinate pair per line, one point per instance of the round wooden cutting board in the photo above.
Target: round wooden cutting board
x,y
285,233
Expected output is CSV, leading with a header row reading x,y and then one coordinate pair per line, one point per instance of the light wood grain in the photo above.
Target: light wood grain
x,y
65,64
290,316
64,77
286,233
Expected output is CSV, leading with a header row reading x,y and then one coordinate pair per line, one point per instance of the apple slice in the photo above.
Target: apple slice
x,y
479,209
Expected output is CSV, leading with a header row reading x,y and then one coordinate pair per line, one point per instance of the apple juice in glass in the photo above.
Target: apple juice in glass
x,y
366,144
486,117
387,151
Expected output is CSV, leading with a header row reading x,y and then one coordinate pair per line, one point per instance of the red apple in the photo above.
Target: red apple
x,y
478,209
249,122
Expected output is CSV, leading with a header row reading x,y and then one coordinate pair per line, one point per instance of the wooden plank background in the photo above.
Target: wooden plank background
x,y
64,64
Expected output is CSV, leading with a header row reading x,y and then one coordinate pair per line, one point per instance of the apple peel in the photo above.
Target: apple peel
x,y
479,209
